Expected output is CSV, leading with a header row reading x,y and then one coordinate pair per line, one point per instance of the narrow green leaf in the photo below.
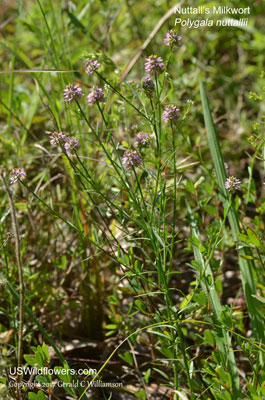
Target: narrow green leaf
x,y
246,265
45,352
208,286
259,298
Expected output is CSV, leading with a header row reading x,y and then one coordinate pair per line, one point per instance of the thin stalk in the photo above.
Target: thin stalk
x,y
123,97
174,194
155,325
154,122
81,233
155,199
251,170
114,164
20,277
161,270
141,193
103,116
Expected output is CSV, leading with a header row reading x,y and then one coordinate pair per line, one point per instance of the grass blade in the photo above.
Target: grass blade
x,y
208,286
246,265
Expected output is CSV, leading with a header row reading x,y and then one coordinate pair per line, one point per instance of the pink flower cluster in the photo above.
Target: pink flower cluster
x,y
172,38
232,184
154,65
91,66
72,92
142,139
17,174
96,95
131,159
57,137
171,113
69,143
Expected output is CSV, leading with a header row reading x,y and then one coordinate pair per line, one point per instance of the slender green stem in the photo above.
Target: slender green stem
x,y
81,233
175,196
117,168
123,97
21,281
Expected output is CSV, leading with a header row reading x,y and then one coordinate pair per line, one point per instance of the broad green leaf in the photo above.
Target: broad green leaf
x,y
39,396
147,375
30,360
209,337
127,357
141,394
39,359
253,238
61,372
45,352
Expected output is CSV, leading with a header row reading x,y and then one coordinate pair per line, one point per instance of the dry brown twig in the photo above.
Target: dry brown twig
x,y
148,40
141,49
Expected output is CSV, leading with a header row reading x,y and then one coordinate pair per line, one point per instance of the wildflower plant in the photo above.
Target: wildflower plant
x,y
143,196
146,201
137,204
